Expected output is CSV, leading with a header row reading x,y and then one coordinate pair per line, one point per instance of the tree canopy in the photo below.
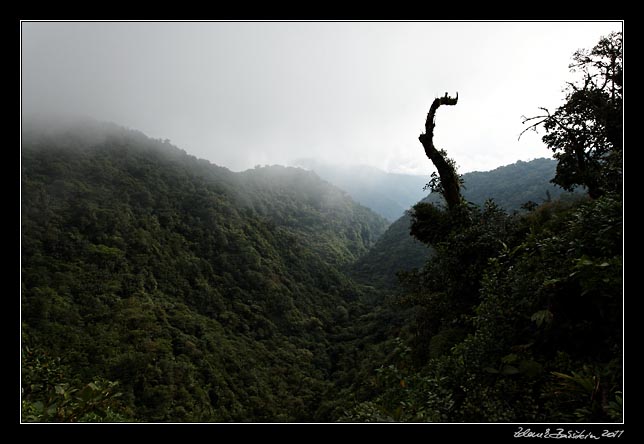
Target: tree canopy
x,y
586,132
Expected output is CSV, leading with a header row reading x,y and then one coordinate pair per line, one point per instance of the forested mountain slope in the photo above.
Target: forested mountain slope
x,y
323,216
206,295
509,186
390,195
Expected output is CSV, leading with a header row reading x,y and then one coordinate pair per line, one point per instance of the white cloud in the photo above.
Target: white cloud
x,y
239,94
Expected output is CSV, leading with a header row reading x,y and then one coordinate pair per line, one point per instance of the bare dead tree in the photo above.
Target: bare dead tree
x,y
448,177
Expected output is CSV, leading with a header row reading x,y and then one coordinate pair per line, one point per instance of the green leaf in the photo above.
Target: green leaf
x,y
38,407
86,393
541,317
509,358
562,375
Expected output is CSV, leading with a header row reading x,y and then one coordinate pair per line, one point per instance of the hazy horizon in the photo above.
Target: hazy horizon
x,y
241,94
57,122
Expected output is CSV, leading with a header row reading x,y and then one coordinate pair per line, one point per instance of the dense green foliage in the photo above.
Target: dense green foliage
x,y
395,251
519,318
52,395
206,295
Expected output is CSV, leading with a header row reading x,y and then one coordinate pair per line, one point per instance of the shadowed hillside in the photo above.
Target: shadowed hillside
x,y
509,186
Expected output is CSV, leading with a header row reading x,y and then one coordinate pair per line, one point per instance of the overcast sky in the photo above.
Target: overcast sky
x,y
241,94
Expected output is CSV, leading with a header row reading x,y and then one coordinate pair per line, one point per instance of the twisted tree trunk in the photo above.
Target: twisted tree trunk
x,y
448,177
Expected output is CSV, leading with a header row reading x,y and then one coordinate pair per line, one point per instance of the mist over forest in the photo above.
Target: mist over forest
x,y
160,286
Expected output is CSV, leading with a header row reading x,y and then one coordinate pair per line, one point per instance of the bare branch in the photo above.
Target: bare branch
x,y
534,126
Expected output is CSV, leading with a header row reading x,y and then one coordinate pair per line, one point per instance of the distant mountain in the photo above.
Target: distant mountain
x,y
323,216
388,194
207,295
509,186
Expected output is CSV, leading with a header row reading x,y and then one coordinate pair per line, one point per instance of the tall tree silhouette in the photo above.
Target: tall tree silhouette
x,y
449,184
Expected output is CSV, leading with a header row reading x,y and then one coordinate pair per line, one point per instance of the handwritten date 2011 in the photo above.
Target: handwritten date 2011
x,y
566,434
